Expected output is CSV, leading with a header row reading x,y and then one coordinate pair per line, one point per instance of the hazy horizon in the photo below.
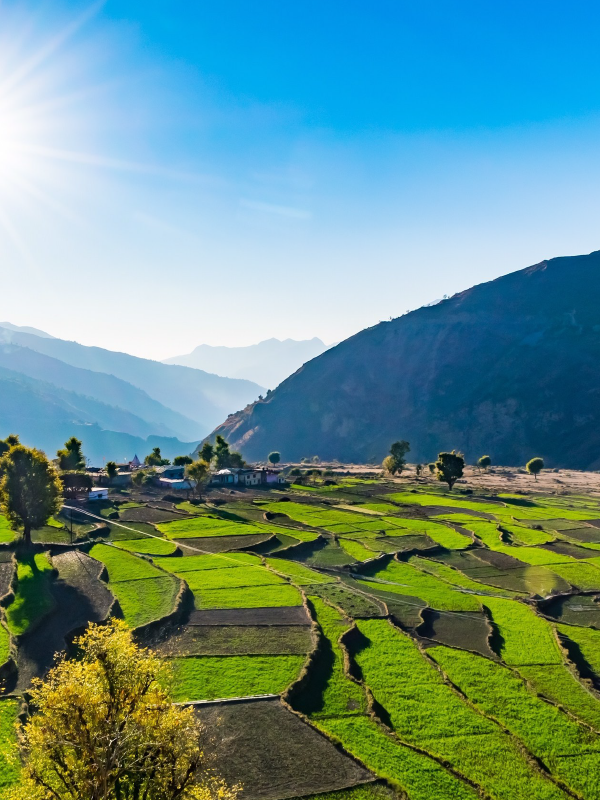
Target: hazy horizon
x,y
174,175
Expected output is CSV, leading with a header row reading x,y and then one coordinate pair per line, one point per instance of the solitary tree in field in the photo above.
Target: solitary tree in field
x,y
154,459
396,460
198,471
105,728
71,458
30,489
206,452
181,461
535,466
450,467
111,471
484,462
274,457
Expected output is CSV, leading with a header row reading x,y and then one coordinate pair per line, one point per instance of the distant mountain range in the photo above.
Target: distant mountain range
x,y
268,362
509,368
113,401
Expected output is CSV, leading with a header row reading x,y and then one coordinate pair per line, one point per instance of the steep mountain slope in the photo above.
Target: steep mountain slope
x,y
510,368
156,418
267,363
198,395
26,329
45,417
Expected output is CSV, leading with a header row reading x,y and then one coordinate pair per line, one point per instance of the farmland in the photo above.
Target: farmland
x,y
449,643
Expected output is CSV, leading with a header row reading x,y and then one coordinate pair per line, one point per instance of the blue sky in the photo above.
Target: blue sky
x,y
173,173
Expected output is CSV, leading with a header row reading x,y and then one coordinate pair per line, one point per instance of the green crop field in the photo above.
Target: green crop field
x,y
210,677
6,532
448,641
33,598
9,768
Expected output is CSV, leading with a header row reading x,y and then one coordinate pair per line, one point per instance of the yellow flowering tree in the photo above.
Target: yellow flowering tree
x,y
104,728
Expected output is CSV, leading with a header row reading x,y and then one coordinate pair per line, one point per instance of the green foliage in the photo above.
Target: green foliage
x,y
123,566
224,457
206,452
588,642
484,462
274,457
30,489
181,461
143,477
7,534
235,577
535,466
199,472
558,684
396,460
450,467
356,550
71,458
154,459
111,470
33,598
216,677
208,526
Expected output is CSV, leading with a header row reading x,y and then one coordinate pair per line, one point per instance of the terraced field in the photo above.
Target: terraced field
x,y
447,644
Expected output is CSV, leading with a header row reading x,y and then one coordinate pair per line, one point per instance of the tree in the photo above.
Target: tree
x,y
450,467
154,459
535,466
206,452
71,457
431,467
396,461
419,469
198,471
274,457
181,461
111,471
75,482
30,490
5,444
224,457
143,477
484,462
316,460
105,728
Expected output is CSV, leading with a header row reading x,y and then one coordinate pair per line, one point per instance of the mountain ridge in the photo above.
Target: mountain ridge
x,y
508,367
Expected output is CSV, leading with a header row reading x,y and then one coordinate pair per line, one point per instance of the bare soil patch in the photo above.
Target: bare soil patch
x,y
148,514
6,573
568,549
582,610
288,759
466,631
280,615
210,640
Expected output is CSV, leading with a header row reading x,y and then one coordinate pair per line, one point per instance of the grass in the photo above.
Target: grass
x,y
249,597
528,536
145,599
148,546
215,677
200,526
9,769
545,730
427,713
558,684
353,603
230,640
454,577
526,638
6,532
33,598
123,566
406,579
299,574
